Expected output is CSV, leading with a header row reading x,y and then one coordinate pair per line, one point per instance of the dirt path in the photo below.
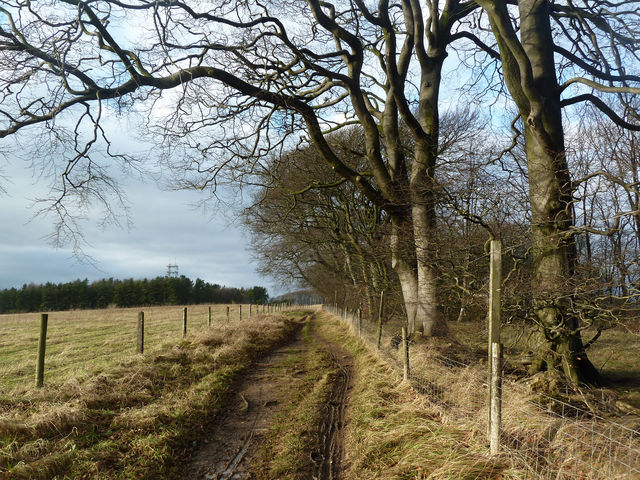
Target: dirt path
x,y
229,449
330,455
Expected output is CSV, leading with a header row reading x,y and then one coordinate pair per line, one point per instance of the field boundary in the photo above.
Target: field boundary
x,y
542,436
136,330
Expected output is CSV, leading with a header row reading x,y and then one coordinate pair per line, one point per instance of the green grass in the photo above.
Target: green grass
x,y
129,416
84,343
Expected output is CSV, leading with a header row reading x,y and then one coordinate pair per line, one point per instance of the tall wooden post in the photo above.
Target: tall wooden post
x,y
405,353
209,316
42,345
250,309
140,342
240,314
380,313
495,294
228,315
495,406
184,323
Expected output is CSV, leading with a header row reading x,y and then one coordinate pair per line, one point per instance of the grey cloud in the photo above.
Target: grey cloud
x,y
165,228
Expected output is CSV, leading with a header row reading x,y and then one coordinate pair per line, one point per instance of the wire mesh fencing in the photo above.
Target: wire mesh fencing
x,y
543,437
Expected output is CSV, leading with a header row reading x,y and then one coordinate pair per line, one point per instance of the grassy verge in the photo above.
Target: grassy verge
x,y
614,354
293,434
393,433
538,433
134,420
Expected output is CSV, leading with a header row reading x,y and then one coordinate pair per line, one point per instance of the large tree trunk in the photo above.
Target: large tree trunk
x,y
429,320
423,198
529,71
403,262
554,254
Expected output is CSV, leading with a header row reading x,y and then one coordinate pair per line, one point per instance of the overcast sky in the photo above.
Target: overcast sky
x,y
165,229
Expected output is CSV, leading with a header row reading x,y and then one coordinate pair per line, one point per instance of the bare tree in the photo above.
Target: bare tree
x,y
225,85
302,227
597,48
240,79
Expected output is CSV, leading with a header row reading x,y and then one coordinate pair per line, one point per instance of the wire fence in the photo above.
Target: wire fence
x,y
68,345
542,437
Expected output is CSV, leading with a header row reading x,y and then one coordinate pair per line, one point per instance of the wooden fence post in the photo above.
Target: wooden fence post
x,y
380,312
209,316
250,310
42,345
228,315
495,291
184,323
140,342
496,398
240,310
405,353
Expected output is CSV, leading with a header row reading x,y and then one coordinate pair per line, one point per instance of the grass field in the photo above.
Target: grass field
x,y
106,412
391,432
555,428
394,433
81,344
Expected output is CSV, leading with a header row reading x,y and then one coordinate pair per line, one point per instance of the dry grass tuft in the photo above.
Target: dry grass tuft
x,y
44,468
537,439
14,427
129,417
395,433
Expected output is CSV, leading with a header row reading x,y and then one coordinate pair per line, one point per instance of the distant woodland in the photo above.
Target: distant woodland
x,y
80,294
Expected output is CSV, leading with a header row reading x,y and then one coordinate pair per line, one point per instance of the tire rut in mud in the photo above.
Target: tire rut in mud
x,y
328,459
229,450
226,451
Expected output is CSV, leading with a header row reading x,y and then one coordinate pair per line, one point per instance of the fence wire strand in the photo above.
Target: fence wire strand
x,y
544,438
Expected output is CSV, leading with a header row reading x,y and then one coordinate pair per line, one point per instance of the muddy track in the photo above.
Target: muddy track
x,y
329,457
228,451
